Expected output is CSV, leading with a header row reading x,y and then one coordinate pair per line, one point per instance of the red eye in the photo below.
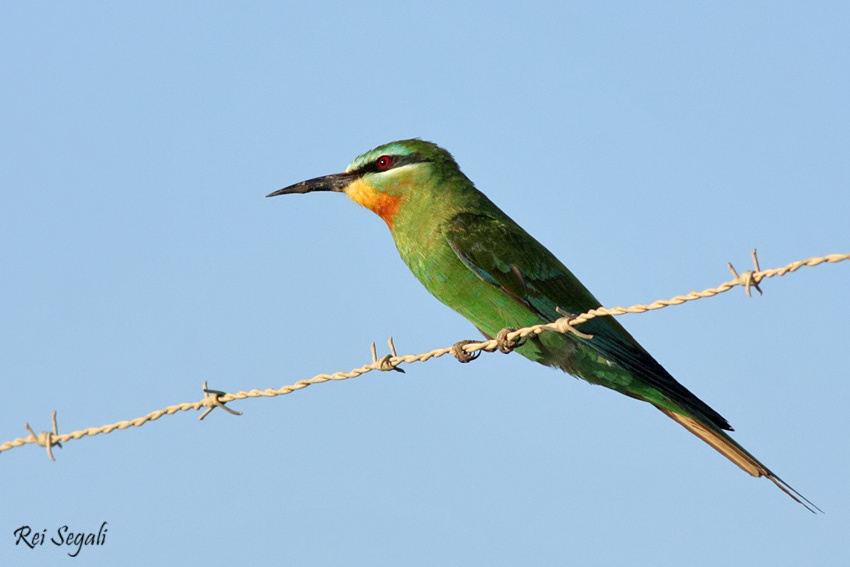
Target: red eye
x,y
383,162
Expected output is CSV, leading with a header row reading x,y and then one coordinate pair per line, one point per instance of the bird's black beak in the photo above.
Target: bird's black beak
x,y
336,182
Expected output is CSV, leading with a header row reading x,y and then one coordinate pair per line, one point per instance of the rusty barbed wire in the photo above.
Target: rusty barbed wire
x,y
463,351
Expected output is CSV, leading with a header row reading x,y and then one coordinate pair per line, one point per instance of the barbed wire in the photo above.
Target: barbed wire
x,y
505,341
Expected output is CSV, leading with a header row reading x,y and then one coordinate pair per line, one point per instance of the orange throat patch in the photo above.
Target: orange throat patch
x,y
382,204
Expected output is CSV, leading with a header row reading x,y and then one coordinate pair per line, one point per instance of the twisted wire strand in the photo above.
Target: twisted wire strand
x,y
214,398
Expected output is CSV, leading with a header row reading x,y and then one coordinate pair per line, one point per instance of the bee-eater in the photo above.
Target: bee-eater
x,y
475,259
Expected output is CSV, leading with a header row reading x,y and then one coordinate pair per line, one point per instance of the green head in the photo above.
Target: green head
x,y
381,178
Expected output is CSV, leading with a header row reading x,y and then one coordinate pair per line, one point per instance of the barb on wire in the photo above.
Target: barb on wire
x,y
748,279
385,362
212,399
464,351
45,438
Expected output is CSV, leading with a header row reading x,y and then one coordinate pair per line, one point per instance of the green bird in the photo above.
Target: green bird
x,y
475,259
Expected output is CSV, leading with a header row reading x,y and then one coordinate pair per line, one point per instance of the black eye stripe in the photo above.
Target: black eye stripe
x,y
386,162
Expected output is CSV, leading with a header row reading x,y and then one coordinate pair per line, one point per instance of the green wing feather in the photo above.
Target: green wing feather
x,y
502,254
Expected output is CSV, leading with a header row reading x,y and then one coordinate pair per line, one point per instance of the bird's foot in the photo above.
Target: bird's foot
x,y
463,356
506,345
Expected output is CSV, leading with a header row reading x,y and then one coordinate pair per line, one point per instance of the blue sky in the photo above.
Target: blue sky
x,y
645,145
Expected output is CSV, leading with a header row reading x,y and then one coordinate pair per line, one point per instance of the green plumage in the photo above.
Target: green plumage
x,y
475,259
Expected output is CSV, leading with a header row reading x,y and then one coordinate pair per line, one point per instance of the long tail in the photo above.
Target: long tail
x,y
727,447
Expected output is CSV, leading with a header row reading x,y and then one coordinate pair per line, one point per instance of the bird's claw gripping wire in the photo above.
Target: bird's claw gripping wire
x,y
461,355
506,344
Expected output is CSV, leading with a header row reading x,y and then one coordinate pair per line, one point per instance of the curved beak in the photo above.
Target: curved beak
x,y
336,182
